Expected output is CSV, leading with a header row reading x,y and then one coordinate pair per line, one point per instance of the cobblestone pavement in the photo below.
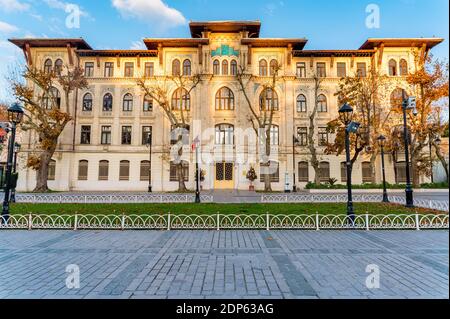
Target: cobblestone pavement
x,y
224,264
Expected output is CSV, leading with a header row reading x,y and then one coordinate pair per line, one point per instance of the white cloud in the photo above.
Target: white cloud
x,y
7,28
138,45
13,5
152,11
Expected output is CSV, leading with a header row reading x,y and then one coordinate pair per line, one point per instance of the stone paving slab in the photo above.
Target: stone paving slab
x,y
240,264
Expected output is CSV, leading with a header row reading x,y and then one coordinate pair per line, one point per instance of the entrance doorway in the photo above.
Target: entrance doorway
x,y
224,176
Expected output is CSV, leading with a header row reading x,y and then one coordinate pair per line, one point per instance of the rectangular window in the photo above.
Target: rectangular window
x,y
51,170
146,135
343,172
149,69
323,136
89,69
321,69
85,134
173,171
341,70
103,171
301,69
148,104
106,135
129,69
124,171
145,172
302,136
272,169
361,69
126,135
109,69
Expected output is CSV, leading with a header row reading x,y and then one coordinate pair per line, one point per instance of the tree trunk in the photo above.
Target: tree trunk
x,y
181,184
312,149
42,172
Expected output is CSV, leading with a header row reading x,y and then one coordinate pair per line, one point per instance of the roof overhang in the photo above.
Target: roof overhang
x,y
335,53
297,44
78,43
153,44
253,27
115,53
372,43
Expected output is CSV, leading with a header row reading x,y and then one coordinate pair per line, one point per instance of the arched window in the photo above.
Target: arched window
x,y
148,103
48,65
181,100
263,68
58,66
124,171
224,134
324,172
274,135
322,103
83,166
403,67
103,170
127,105
396,98
273,66
52,99
392,67
303,175
145,172
268,100
301,103
87,102
224,67
51,170
272,169
187,67
367,176
216,67
233,67
224,99
176,67
107,102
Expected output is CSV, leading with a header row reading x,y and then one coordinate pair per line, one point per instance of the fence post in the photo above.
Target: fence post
x,y
30,221
110,199
218,221
60,199
75,222
417,222
85,199
168,221
267,221
367,220
123,221
317,220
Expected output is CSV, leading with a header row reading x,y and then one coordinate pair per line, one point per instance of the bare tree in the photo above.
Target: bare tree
x,y
261,118
43,113
159,91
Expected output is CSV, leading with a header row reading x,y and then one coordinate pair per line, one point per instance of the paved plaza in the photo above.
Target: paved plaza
x,y
224,264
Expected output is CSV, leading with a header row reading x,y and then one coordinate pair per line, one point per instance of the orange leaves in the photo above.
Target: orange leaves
x,y
33,162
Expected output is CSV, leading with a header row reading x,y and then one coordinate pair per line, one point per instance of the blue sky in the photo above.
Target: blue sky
x,y
121,24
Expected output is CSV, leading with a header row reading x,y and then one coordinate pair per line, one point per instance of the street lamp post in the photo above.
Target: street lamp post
x,y
15,115
345,115
406,105
381,141
16,151
149,145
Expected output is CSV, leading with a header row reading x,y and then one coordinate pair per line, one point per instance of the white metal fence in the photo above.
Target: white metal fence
x,y
342,198
225,221
110,198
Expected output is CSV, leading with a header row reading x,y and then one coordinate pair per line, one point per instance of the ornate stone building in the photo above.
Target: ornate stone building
x,y
104,147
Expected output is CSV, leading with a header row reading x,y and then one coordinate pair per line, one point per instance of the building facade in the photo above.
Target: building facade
x,y
105,147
